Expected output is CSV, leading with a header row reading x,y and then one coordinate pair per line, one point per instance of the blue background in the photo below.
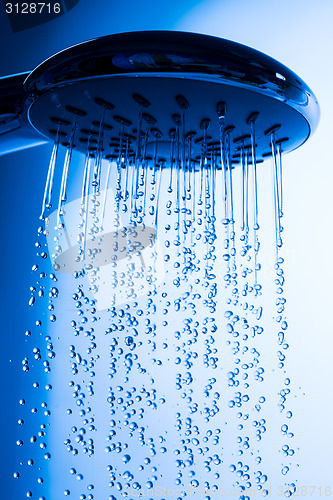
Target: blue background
x,y
297,33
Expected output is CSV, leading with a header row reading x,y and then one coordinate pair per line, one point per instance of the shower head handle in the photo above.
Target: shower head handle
x,y
16,133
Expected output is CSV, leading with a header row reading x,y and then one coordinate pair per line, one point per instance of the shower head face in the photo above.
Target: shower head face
x,y
113,82
77,102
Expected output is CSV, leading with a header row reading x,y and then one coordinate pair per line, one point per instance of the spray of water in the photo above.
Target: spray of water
x,y
147,352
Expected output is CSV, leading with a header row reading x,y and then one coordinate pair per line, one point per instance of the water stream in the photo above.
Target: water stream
x,y
153,367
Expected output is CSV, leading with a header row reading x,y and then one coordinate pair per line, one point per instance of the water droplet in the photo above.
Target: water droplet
x,y
284,470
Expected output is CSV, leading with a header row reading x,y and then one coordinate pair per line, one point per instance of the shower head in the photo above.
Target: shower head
x,y
161,78
145,101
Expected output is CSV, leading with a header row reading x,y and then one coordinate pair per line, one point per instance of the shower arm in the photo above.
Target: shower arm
x,y
16,132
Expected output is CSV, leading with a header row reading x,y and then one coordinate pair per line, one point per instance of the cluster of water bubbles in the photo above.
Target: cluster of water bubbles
x,y
146,353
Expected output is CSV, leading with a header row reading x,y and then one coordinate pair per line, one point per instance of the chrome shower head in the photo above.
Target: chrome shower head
x,y
106,83
157,99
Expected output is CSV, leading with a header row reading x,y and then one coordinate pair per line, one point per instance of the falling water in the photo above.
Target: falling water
x,y
146,350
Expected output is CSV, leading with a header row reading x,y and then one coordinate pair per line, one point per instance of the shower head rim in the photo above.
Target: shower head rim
x,y
210,59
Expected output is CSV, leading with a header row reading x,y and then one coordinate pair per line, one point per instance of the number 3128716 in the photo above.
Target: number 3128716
x,y
33,8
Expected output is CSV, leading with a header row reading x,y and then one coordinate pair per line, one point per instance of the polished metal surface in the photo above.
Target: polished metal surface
x,y
176,54
16,132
